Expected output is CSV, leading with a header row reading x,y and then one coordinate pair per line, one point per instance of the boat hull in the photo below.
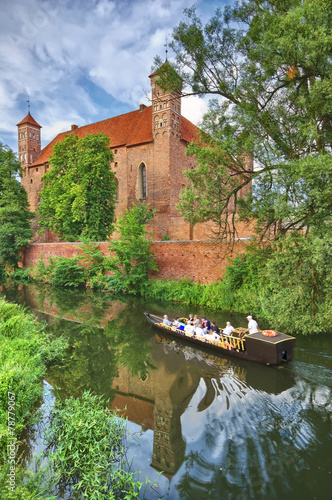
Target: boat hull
x,y
255,347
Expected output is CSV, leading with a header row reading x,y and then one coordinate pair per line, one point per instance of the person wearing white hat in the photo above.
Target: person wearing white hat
x,y
252,325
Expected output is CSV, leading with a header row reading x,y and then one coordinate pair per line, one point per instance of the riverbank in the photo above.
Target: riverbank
x,y
26,352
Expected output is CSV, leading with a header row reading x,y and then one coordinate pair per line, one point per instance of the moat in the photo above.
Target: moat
x,y
200,425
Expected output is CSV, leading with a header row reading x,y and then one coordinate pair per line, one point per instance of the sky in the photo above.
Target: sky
x,y
82,61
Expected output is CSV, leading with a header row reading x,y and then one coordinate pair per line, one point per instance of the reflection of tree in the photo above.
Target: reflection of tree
x,y
126,335
91,364
80,305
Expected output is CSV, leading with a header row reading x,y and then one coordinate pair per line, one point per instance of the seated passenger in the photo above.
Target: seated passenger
x,y
166,321
191,319
189,328
212,335
205,324
199,332
228,329
214,327
178,324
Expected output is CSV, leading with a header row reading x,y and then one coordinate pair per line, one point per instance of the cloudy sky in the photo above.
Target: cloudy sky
x,y
81,61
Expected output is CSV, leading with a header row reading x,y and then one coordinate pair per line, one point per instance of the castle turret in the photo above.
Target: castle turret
x,y
29,140
166,107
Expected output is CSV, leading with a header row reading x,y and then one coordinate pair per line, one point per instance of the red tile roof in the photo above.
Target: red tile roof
x,y
29,119
128,130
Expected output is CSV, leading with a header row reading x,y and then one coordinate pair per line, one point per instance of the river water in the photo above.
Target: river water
x,y
201,426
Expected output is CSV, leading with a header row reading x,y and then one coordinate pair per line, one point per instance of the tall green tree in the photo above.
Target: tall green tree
x,y
15,227
132,257
269,66
79,190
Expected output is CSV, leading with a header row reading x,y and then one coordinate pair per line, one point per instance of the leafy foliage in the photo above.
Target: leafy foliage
x,y
269,64
132,259
15,229
78,194
88,452
25,350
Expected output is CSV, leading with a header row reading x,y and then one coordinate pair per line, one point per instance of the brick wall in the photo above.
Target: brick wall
x,y
201,261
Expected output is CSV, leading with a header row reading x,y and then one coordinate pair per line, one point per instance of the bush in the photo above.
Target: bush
x,y
68,272
24,351
87,449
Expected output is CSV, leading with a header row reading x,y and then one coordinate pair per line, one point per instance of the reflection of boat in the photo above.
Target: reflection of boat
x,y
254,347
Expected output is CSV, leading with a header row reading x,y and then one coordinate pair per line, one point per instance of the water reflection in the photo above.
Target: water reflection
x,y
214,427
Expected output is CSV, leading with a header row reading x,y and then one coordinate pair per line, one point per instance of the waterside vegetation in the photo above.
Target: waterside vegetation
x,y
85,442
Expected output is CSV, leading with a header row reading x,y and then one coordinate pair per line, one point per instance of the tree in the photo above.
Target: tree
x,y
79,190
269,64
15,228
132,258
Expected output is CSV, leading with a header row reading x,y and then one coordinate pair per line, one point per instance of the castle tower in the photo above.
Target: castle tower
x,y
166,108
167,152
29,141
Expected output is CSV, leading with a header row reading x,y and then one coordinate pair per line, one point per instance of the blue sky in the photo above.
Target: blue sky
x,y
81,61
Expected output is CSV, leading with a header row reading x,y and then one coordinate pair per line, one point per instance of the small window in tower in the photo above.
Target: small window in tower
x,y
155,106
31,181
116,152
116,164
33,135
37,169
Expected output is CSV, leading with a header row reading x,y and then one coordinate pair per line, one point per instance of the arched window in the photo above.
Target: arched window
x,y
117,190
142,182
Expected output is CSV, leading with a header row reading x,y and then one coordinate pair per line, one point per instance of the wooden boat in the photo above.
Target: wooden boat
x,y
266,346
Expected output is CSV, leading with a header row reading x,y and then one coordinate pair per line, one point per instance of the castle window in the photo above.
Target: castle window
x,y
156,123
116,164
142,182
31,181
155,106
116,152
37,169
117,190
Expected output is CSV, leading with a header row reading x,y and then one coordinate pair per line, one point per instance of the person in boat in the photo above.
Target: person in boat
x,y
206,325
199,332
214,327
213,333
252,325
228,329
189,328
191,319
166,321
178,324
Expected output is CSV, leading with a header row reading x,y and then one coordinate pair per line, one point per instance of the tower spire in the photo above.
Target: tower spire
x,y
28,101
166,45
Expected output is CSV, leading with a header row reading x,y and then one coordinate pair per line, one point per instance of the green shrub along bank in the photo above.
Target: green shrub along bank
x,y
85,442
25,352
87,447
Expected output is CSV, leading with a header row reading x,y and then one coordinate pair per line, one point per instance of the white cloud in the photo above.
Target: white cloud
x,y
49,47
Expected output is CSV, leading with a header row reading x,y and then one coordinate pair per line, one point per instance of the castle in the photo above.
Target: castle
x,y
149,159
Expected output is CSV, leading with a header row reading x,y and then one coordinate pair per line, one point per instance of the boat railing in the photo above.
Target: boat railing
x,y
226,341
